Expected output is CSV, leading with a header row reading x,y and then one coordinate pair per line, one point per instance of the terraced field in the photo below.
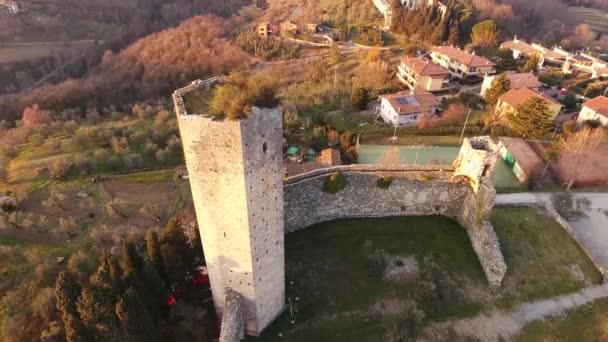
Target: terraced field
x,y
597,19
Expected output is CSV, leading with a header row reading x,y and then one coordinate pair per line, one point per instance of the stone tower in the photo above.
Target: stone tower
x,y
236,177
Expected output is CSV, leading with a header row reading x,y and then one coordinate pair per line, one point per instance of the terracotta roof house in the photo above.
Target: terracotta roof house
x,y
509,101
522,49
269,28
586,63
420,73
595,110
518,80
407,107
462,64
327,158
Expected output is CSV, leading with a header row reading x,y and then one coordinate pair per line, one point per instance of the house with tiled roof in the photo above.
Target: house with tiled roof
x,y
406,108
420,73
269,28
595,110
462,64
522,49
517,79
509,101
586,63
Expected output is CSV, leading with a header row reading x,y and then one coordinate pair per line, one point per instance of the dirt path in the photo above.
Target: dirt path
x,y
495,325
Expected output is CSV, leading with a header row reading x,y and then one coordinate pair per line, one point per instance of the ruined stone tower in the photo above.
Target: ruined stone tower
x,y
236,178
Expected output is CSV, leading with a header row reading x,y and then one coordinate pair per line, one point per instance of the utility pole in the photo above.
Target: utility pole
x,y
465,126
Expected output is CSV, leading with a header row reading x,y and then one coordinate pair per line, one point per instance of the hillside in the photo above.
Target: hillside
x,y
150,67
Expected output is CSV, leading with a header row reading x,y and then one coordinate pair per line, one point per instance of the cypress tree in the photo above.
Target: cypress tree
x,y
135,320
96,308
154,253
499,86
454,35
174,236
67,291
133,263
108,275
531,119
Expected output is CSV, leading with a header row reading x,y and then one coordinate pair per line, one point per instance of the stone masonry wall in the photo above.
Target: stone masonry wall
x,y
415,191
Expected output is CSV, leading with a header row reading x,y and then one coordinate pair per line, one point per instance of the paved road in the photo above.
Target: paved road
x,y
498,325
598,199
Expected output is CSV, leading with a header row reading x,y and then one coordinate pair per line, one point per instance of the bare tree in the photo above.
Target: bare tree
x,y
580,145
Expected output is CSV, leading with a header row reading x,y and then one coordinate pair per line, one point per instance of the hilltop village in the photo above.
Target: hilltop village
x,y
285,170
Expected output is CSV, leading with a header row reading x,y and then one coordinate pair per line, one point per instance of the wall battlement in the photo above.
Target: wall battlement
x,y
244,205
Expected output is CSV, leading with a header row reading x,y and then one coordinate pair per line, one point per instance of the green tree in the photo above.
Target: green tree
x,y
359,97
154,252
505,60
531,119
532,64
485,34
132,262
96,308
174,235
135,320
108,275
67,291
499,86
570,101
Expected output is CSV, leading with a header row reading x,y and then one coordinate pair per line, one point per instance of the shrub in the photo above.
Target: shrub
x,y
85,165
120,145
384,182
35,116
114,163
55,145
70,126
8,152
162,155
36,139
133,160
150,148
60,169
239,93
427,177
101,155
359,97
335,183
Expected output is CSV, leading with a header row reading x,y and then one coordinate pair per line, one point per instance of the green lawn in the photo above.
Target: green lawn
x,y
335,282
588,323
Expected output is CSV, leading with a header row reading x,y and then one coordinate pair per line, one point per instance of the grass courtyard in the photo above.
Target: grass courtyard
x,y
388,278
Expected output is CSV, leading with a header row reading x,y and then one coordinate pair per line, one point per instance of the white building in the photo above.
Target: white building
x,y
406,108
595,110
384,6
462,64
522,49
586,63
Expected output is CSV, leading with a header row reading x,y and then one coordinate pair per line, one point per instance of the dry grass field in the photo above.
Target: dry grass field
x,y
19,52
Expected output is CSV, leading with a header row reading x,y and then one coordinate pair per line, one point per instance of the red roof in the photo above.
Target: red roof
x,y
468,59
424,67
598,105
515,97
